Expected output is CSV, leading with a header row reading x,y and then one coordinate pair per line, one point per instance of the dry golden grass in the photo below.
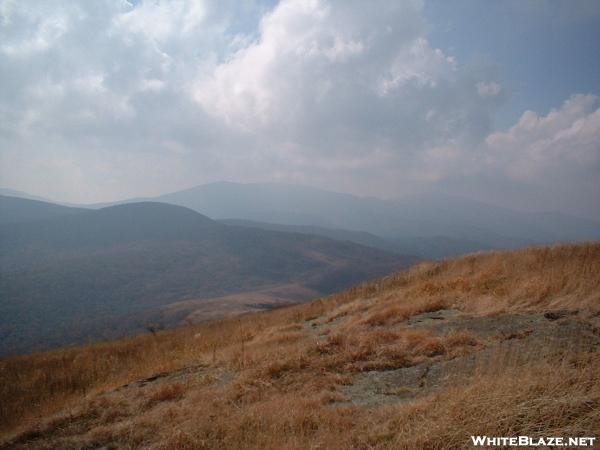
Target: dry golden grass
x,y
544,399
549,398
554,277
287,373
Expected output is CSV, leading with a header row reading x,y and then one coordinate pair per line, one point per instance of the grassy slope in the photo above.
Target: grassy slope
x,y
281,379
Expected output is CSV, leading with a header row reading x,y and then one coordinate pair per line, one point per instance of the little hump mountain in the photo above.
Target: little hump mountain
x,y
84,275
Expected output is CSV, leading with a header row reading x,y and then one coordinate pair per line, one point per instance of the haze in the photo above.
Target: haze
x,y
496,101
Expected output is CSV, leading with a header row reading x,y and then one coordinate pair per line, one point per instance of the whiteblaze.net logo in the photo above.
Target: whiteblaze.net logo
x,y
527,441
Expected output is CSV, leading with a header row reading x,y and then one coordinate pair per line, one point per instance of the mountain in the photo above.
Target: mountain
x,y
432,247
417,222
359,237
20,194
429,225
15,210
92,274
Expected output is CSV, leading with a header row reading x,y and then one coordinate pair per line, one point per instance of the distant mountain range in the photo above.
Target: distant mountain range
x,y
427,215
426,225
68,275
426,247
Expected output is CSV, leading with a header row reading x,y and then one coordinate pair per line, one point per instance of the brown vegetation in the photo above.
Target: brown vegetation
x,y
278,379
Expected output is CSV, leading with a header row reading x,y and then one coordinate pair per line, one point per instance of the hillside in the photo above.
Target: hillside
x,y
97,274
496,344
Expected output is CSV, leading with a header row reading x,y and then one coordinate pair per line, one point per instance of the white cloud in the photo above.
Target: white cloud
x,y
107,99
343,78
416,62
153,85
549,162
45,29
161,21
540,147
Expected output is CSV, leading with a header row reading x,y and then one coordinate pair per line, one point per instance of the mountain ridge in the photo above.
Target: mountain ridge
x,y
432,225
105,273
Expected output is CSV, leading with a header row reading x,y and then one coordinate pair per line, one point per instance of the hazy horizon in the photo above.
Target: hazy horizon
x,y
422,194
111,100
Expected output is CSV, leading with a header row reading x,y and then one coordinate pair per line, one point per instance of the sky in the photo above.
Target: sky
x,y
493,100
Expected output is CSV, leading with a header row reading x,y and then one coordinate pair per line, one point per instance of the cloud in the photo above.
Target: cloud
x,y
351,79
92,91
348,96
110,99
558,153
569,136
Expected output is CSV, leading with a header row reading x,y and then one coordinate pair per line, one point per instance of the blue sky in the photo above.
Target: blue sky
x,y
493,100
541,51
